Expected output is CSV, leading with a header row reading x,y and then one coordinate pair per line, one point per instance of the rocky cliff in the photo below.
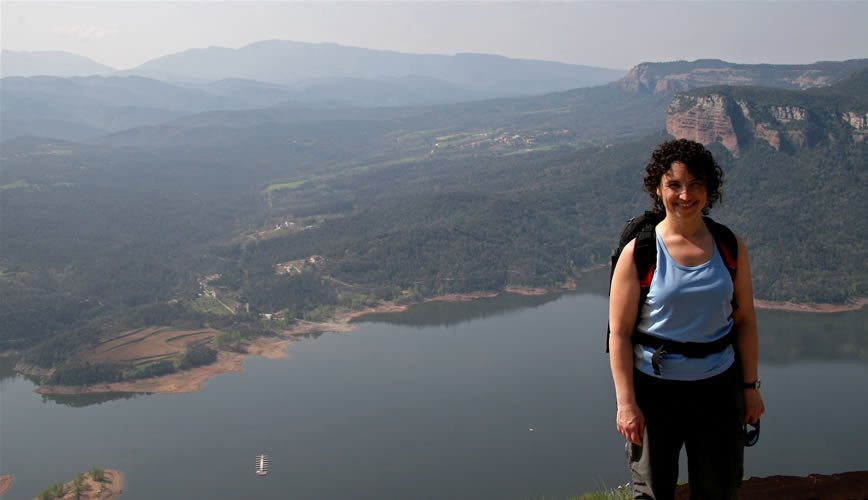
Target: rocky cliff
x,y
682,76
785,120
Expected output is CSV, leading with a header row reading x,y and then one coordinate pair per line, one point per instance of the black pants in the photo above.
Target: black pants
x,y
706,417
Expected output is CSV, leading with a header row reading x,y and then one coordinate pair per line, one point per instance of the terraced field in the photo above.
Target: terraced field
x,y
147,345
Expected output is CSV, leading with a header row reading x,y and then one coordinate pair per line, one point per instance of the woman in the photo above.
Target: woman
x,y
666,399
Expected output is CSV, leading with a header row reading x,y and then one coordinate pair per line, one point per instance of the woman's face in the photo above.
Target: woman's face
x,y
682,194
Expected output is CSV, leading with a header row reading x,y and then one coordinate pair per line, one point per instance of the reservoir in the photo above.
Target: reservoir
x,y
509,397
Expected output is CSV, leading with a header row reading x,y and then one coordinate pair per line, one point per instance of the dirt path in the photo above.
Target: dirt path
x,y
224,305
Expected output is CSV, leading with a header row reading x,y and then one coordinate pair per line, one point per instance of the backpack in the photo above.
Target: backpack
x,y
641,228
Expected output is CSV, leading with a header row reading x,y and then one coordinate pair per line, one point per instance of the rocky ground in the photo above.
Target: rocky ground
x,y
846,485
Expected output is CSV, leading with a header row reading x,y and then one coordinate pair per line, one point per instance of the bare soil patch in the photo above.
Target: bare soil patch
x,y
148,344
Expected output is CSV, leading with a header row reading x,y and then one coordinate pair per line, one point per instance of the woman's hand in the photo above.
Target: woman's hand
x,y
631,423
753,406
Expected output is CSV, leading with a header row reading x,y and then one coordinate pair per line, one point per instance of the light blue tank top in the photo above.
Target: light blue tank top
x,y
687,304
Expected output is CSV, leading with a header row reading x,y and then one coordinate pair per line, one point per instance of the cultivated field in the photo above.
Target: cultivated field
x,y
146,345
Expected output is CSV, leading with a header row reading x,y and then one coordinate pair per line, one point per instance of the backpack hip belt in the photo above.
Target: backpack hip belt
x,y
663,346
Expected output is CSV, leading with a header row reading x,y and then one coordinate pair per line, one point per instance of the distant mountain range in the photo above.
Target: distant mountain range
x,y
84,108
319,68
278,61
26,63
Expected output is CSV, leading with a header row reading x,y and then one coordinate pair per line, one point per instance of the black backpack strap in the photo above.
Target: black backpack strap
x,y
640,228
645,258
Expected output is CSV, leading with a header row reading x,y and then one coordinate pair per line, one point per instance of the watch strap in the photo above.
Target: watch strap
x,y
751,385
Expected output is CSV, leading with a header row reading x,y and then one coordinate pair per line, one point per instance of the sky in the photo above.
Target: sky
x,y
614,34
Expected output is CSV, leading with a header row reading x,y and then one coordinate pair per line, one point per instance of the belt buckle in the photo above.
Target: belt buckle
x,y
656,358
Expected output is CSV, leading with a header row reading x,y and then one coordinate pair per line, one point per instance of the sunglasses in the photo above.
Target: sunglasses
x,y
751,436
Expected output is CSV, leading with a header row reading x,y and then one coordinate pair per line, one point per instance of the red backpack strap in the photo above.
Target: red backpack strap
x,y
727,245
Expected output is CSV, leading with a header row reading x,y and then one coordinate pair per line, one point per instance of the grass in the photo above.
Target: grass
x,y
613,494
185,335
131,332
146,360
59,152
444,138
135,341
284,185
621,493
208,304
19,184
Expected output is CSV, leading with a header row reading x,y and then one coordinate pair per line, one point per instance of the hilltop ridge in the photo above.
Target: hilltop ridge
x,y
55,63
682,76
784,119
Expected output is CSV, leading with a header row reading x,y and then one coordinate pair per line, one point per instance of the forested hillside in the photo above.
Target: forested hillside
x,y
290,213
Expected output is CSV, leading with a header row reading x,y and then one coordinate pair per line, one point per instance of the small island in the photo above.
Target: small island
x,y
5,483
91,485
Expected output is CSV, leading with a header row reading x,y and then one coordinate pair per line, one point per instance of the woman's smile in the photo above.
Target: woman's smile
x,y
681,192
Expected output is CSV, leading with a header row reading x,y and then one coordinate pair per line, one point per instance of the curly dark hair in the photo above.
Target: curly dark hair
x,y
699,162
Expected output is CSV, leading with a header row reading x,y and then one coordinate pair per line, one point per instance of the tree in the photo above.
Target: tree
x,y
97,474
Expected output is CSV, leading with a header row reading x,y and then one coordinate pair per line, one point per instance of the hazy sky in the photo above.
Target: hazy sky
x,y
610,34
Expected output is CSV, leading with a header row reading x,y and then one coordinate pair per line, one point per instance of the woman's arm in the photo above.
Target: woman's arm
x,y
747,342
623,306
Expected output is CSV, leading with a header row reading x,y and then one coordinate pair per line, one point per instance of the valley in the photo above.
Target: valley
x,y
212,232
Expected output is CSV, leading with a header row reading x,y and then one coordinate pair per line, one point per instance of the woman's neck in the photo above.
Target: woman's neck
x,y
683,227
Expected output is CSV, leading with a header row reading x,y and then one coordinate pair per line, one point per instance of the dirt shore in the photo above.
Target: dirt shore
x,y
267,347
5,484
227,362
187,380
811,308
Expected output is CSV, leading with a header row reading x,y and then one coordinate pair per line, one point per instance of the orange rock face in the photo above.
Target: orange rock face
x,y
702,119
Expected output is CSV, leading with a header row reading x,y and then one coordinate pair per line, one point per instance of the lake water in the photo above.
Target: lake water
x,y
437,402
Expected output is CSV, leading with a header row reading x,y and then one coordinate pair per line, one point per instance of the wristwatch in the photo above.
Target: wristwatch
x,y
752,385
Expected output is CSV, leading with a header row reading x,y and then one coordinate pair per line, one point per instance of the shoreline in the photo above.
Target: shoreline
x,y
810,308
278,347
